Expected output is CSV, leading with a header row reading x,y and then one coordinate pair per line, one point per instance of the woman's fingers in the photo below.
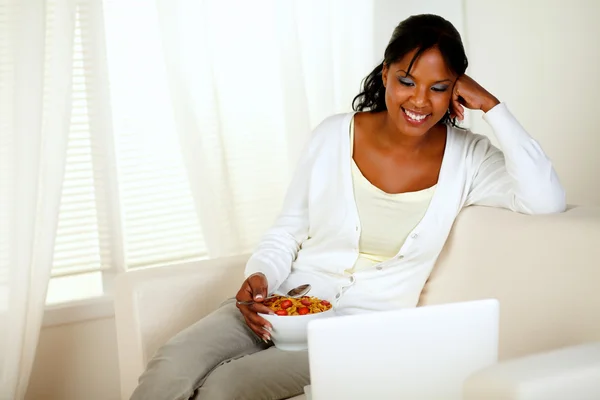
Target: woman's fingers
x,y
258,324
258,285
257,319
261,309
255,289
258,330
262,330
472,95
458,110
245,292
249,321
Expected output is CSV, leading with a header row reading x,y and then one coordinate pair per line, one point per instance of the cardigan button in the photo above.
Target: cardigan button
x,y
414,236
400,257
379,268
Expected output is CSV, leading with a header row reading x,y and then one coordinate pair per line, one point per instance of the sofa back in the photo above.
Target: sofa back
x,y
545,270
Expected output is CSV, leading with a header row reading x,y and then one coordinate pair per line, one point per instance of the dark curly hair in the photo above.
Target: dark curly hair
x,y
420,32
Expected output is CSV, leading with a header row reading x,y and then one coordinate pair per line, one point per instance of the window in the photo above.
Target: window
x,y
187,119
160,224
77,264
126,200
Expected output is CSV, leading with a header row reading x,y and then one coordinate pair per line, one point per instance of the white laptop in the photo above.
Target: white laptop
x,y
422,353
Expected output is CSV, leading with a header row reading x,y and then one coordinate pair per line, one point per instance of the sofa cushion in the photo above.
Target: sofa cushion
x,y
543,269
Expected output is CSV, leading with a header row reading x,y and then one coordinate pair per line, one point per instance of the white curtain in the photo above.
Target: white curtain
x,y
213,100
211,104
239,83
35,67
247,81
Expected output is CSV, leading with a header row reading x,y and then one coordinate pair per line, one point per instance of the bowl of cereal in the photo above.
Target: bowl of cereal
x,y
291,319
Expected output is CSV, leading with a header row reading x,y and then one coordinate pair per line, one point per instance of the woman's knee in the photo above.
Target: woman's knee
x,y
269,374
164,379
229,382
185,360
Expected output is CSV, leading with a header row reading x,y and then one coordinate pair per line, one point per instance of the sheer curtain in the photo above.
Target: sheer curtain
x,y
239,84
244,83
35,56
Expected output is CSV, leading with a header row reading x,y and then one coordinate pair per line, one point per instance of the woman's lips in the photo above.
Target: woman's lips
x,y
415,118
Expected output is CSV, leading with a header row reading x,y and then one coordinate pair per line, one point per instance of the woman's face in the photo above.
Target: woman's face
x,y
418,101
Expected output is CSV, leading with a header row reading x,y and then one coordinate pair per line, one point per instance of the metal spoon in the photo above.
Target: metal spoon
x,y
294,293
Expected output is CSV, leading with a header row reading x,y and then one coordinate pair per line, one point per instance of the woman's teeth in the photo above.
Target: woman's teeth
x,y
416,117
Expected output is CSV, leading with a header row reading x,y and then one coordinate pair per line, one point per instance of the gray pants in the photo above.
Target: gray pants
x,y
220,358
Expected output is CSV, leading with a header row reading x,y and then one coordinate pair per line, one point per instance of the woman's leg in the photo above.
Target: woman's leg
x,y
181,365
271,374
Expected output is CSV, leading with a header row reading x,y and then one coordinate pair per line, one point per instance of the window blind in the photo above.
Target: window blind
x,y
158,217
77,247
160,222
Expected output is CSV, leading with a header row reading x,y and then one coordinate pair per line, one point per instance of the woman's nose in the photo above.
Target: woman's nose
x,y
419,97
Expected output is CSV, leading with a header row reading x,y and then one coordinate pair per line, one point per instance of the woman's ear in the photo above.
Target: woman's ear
x,y
384,73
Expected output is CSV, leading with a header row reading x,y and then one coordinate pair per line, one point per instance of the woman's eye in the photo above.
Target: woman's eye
x,y
439,88
405,82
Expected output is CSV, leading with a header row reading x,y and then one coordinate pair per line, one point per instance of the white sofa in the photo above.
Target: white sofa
x,y
545,270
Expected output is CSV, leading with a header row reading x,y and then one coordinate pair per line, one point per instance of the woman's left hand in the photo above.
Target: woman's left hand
x,y
470,94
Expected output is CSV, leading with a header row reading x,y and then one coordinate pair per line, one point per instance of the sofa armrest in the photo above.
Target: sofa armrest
x,y
570,373
153,304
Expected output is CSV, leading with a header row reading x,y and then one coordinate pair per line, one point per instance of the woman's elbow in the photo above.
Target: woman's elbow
x,y
553,202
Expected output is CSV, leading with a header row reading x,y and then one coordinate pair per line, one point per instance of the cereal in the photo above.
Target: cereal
x,y
289,306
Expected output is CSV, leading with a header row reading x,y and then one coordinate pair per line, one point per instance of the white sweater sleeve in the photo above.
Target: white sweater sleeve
x,y
520,178
279,247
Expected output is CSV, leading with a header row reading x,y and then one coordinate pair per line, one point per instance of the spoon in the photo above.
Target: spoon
x,y
294,293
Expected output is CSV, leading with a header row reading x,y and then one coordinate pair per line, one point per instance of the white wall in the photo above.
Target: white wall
x,y
76,361
389,13
542,58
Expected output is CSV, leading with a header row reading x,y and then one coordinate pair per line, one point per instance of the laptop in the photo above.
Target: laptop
x,y
422,353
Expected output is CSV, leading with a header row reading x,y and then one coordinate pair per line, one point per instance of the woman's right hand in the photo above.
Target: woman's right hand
x,y
255,289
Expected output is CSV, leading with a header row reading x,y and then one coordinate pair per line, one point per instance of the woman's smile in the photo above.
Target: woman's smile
x,y
414,118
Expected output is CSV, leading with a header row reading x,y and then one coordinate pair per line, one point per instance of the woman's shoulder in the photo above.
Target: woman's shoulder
x,y
472,147
334,123
465,136
332,129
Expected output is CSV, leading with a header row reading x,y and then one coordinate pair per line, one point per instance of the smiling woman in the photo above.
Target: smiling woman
x,y
415,36
366,215
422,97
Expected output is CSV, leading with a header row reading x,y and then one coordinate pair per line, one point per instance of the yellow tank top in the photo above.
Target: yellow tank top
x,y
386,219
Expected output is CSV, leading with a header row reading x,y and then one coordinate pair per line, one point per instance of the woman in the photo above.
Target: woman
x,y
366,215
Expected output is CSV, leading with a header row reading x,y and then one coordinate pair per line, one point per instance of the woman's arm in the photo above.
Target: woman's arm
x,y
520,178
279,247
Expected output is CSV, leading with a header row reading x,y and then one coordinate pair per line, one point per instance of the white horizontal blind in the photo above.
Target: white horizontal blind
x,y
158,216
77,247
160,223
172,78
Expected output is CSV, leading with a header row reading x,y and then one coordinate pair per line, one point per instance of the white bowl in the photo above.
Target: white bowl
x,y
290,331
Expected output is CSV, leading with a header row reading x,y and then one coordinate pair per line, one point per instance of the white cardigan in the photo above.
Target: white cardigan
x,y
315,237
